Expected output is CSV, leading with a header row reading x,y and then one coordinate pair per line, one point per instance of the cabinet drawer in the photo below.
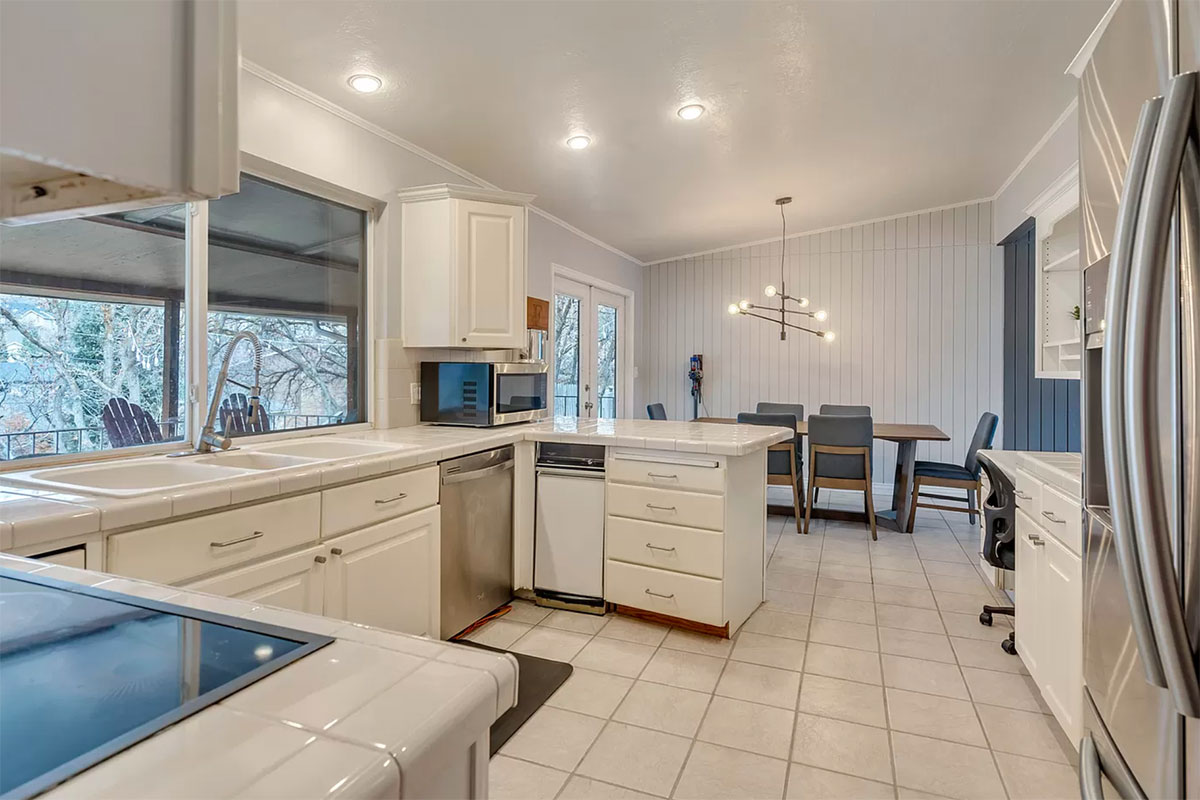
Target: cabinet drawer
x,y
667,475
360,504
1029,493
178,550
671,593
295,581
1060,516
665,546
689,509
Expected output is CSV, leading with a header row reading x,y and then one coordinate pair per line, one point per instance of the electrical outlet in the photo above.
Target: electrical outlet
x,y
414,391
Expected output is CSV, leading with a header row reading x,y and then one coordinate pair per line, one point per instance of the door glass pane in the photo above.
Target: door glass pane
x,y
566,355
91,328
606,361
288,267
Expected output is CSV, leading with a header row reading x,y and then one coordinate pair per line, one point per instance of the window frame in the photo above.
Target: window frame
x,y
195,325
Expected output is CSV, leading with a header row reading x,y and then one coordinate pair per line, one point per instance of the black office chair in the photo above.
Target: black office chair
x,y
999,539
656,411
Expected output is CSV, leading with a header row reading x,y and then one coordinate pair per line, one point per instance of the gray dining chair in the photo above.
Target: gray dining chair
x,y
829,409
839,457
955,476
784,465
796,410
656,411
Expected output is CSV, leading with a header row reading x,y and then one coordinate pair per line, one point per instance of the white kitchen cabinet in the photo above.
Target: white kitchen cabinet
x,y
387,575
1030,625
295,581
462,263
108,106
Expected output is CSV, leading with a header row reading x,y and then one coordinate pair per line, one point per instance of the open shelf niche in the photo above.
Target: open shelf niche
x,y
1057,278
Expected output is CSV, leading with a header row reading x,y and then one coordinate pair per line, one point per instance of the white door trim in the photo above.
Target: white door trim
x,y
627,364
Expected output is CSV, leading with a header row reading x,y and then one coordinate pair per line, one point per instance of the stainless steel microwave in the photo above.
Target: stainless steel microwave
x,y
482,395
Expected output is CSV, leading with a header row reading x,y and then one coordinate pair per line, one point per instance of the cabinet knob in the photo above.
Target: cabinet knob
x,y
319,559
464,338
335,551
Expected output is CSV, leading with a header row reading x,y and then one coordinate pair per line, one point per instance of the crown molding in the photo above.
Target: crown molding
x,y
443,191
1037,148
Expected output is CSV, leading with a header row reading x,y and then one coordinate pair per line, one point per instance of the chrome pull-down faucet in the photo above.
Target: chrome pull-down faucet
x,y
208,440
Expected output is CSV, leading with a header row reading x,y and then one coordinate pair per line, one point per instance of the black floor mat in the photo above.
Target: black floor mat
x,y
537,679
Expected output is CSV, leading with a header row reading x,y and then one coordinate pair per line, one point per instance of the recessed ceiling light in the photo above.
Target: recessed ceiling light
x,y
364,83
578,142
692,111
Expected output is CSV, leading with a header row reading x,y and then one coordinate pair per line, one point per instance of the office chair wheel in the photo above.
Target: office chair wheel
x,y
985,618
1009,646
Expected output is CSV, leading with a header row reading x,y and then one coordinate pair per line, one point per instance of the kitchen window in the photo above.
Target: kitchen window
x,y
95,327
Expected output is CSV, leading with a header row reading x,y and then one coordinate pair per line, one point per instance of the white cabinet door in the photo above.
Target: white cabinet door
x,y
387,575
1030,617
490,243
1060,598
295,581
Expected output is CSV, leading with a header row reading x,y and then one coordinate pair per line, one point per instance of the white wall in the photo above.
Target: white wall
x,y
916,303
1049,159
287,125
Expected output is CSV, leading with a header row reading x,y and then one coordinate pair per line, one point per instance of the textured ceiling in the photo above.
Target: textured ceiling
x,y
857,108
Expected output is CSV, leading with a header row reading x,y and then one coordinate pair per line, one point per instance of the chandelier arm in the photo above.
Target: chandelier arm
x,y
785,324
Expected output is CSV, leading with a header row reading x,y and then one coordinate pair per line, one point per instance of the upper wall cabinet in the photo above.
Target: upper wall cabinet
x,y
1057,279
462,266
110,106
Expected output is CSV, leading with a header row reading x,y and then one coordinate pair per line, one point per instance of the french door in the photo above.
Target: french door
x,y
589,344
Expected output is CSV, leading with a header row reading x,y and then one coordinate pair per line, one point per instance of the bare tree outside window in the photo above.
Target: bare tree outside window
x,y
566,355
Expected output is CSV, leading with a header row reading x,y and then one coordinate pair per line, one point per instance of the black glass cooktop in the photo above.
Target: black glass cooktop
x,y
85,673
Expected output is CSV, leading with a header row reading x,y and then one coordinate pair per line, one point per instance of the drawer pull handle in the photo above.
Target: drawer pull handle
x,y
239,540
663,596
398,497
319,559
1039,543
1022,495
664,477
1048,515
335,551
664,549
1032,538
660,508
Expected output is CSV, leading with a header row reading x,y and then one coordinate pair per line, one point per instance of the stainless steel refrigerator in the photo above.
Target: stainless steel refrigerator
x,y
1139,130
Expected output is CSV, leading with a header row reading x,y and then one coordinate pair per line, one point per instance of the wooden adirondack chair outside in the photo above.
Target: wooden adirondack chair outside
x,y
235,409
129,424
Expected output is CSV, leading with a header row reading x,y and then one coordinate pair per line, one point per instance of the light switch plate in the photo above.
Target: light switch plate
x,y
414,392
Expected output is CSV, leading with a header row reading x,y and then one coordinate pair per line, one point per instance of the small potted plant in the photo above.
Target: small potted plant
x,y
1078,323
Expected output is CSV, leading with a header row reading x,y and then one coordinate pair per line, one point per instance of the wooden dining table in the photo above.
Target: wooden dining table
x,y
905,435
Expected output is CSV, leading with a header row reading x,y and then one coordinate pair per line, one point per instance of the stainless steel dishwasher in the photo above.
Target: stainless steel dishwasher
x,y
477,537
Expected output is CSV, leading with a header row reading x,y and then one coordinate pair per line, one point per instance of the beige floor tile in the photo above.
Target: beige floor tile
x,y
916,644
614,656
810,783
848,700
685,670
713,772
499,633
1022,732
844,610
905,596
1003,689
574,621
898,563
1034,779
776,623
511,779
920,675
847,747
702,643
908,618
933,716
849,590
951,569
845,572
581,788
797,559
526,612
637,631
790,580
904,793
663,708
747,726
550,643
758,684
844,634
636,758
961,603
794,602
848,558
968,627
589,692
843,662
987,654
960,585
952,553
945,768
554,738
769,651
895,577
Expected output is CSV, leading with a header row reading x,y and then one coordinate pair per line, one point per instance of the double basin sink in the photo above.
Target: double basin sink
x,y
156,473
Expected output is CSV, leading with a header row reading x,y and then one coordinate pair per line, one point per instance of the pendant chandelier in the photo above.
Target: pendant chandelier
x,y
745,308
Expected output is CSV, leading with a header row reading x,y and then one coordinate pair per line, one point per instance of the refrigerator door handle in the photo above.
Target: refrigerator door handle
x,y
1090,787
1146,479
1112,392
1189,317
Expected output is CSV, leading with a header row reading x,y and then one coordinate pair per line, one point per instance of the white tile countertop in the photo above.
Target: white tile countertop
x,y
32,514
1062,470
361,717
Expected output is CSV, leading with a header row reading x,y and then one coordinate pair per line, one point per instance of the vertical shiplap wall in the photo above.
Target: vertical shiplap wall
x,y
916,303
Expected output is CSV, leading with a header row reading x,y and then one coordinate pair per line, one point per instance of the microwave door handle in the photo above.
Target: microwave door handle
x,y
1112,391
1146,479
